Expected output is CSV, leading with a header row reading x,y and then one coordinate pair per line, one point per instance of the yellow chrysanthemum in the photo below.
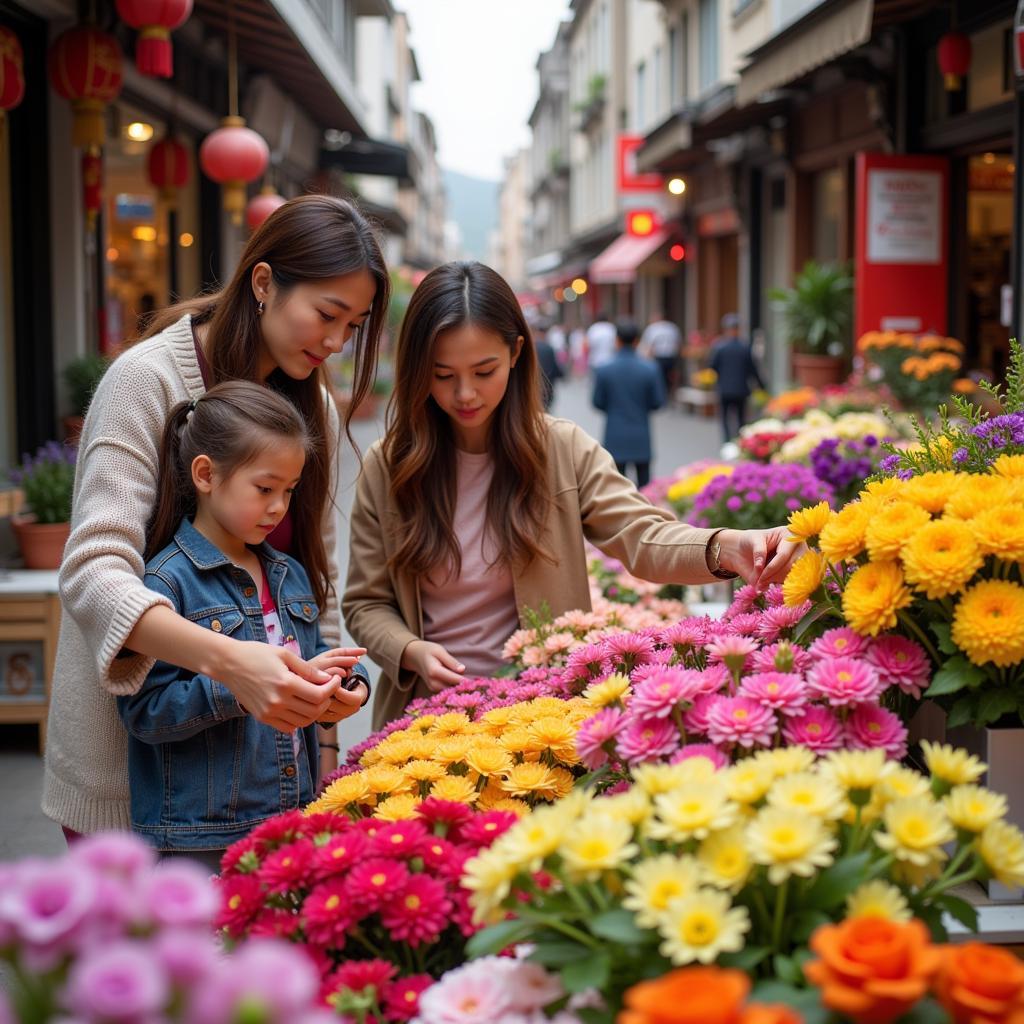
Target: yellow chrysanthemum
x,y
724,859
655,778
497,718
999,531
940,557
1009,466
509,803
597,843
747,781
384,779
804,578
807,523
880,491
423,748
789,843
692,811
451,724
915,830
987,623
488,760
456,788
345,792
951,765
526,778
655,882
977,493
422,723
562,784
973,808
810,792
556,735
878,899
424,771
916,876
1001,847
452,749
890,527
633,806
931,491
516,740
842,537
612,690
782,761
397,808
873,596
701,926
488,877
396,749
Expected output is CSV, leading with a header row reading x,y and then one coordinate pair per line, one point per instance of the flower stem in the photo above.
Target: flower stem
x,y
780,917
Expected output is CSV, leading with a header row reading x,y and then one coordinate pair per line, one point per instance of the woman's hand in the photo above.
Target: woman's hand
x,y
761,557
433,664
338,661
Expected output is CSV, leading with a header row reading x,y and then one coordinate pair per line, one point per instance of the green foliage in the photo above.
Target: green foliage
x,y
818,309
47,480
82,376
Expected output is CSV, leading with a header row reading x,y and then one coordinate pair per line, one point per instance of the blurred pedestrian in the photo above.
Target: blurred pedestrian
x,y
628,389
600,341
733,360
661,341
547,359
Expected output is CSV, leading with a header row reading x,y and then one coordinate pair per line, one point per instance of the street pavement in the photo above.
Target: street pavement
x,y
24,830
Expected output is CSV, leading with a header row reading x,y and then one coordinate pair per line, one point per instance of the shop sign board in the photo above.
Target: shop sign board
x,y
902,243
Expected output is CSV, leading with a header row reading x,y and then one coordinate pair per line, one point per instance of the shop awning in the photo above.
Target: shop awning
x,y
619,262
829,30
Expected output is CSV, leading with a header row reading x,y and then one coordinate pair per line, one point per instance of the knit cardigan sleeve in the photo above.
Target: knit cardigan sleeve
x,y
330,620
115,487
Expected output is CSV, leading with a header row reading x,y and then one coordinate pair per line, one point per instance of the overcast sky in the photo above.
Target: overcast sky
x,y
477,60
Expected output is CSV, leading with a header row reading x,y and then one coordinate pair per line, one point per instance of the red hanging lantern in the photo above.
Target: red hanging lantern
x,y
154,20
167,167
92,185
12,71
954,58
85,68
262,206
234,155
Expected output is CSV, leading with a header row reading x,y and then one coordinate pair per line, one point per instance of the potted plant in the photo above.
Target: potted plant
x,y
47,480
81,377
818,313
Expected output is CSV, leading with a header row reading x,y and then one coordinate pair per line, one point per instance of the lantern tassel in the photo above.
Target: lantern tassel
x,y
87,123
153,52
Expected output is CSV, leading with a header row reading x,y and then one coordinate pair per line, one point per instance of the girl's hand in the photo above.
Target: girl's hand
x,y
761,557
433,664
277,687
344,704
340,658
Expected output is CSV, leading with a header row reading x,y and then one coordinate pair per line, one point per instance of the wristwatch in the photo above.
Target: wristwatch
x,y
713,559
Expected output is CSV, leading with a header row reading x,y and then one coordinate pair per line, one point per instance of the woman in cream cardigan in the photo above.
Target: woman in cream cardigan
x,y
311,278
476,505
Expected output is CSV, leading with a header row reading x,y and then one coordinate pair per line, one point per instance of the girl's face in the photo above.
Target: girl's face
x,y
469,379
304,325
243,507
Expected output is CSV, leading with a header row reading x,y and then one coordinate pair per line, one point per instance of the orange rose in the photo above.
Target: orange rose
x,y
871,969
691,995
980,984
770,1014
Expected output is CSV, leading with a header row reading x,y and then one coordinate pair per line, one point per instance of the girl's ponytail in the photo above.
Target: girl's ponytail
x,y
175,494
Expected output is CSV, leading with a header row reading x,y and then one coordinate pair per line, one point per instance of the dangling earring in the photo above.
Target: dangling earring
x,y
259,308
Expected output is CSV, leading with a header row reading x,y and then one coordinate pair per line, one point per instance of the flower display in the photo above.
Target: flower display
x,y
920,370
762,446
610,581
845,465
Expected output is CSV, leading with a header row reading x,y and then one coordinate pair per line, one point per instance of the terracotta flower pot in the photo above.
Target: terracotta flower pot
x,y
41,544
814,371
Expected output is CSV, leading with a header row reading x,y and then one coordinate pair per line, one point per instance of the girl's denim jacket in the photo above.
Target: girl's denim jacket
x,y
202,771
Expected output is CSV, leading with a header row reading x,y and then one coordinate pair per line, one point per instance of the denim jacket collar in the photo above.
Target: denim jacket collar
x,y
205,555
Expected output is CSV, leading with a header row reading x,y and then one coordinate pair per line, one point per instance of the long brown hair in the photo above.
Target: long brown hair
x,y
232,424
309,238
419,444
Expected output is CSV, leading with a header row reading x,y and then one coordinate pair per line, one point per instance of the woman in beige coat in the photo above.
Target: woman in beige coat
x,y
476,505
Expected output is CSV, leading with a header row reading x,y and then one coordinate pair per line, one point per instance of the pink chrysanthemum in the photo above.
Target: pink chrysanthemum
x,y
239,858
419,912
782,691
782,656
627,650
743,601
328,913
279,830
401,998
774,596
818,729
696,719
595,738
871,727
274,923
648,739
241,898
369,885
715,678
732,651
901,662
705,750
358,975
741,720
485,827
845,682
746,623
685,635
339,853
779,618
663,691
842,642
288,867
402,839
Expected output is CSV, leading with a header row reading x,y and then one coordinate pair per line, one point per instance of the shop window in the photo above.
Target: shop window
x,y
827,215
708,44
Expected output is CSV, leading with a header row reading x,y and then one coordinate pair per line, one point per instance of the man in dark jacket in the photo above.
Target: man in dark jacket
x,y
733,361
547,359
629,389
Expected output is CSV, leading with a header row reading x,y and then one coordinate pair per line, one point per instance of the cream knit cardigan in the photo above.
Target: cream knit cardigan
x,y
86,780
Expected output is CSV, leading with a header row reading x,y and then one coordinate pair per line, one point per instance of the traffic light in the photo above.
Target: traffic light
x,y
677,252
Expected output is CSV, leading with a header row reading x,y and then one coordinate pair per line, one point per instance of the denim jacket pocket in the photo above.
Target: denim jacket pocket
x,y
219,620
304,614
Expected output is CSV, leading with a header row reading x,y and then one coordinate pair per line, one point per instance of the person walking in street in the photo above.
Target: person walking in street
x,y
474,507
732,359
310,280
628,390
600,342
661,341
550,368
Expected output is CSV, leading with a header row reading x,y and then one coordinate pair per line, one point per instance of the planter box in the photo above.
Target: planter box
x,y
41,544
818,371
1003,751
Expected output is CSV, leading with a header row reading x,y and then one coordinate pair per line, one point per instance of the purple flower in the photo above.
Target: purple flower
x,y
119,855
889,463
734,504
179,893
961,455
117,982
49,902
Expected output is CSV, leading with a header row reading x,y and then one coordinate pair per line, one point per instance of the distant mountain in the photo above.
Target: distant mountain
x,y
473,205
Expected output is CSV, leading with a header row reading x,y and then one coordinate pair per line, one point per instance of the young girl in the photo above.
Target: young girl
x,y
476,504
202,771
310,281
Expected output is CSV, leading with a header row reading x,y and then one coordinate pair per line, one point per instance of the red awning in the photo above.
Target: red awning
x,y
618,263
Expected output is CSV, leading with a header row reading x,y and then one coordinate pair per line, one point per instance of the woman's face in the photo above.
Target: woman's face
x,y
469,379
304,325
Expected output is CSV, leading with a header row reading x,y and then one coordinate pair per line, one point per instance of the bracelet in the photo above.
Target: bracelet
x,y
330,746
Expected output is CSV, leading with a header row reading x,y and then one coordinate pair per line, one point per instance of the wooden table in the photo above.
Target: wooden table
x,y
29,626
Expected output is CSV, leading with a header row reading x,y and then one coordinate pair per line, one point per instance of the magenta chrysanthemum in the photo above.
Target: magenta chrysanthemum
x,y
901,662
696,719
328,913
627,650
596,736
339,853
842,642
401,998
741,720
419,912
648,739
369,885
845,682
241,898
781,691
780,657
818,729
732,651
705,750
288,867
664,690
871,727
403,839
485,827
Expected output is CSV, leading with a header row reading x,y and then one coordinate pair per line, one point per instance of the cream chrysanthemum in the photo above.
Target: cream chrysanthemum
x,y
692,811
878,899
633,806
488,877
701,926
857,771
789,843
724,859
535,837
655,882
915,830
973,808
810,792
655,778
1001,847
951,765
782,761
597,843
747,781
